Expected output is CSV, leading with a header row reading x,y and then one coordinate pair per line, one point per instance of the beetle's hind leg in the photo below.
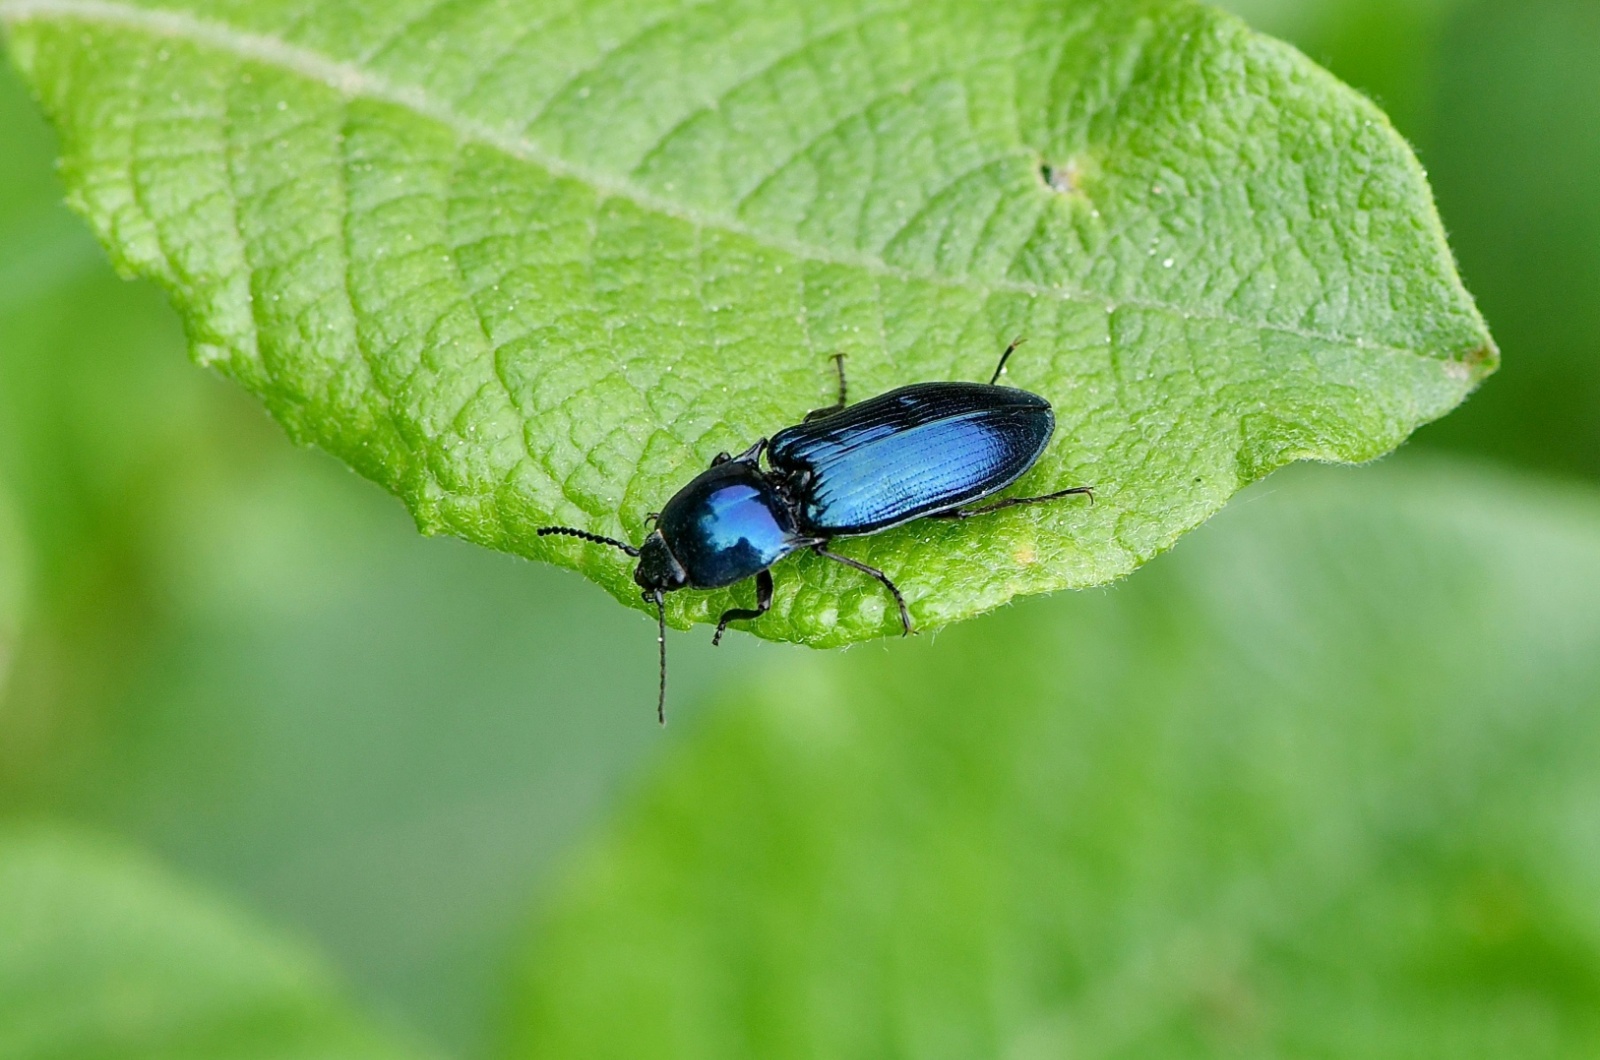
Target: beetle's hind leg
x,y
735,614
1012,502
900,601
816,414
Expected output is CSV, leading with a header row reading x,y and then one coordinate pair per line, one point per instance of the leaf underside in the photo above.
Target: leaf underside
x,y
527,263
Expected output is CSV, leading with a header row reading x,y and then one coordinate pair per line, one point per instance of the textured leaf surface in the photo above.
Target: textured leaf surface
x,y
1501,99
532,262
1319,785
103,957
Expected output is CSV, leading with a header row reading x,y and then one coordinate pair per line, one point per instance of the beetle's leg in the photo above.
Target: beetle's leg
x,y
900,601
1004,357
735,614
1012,502
749,456
838,363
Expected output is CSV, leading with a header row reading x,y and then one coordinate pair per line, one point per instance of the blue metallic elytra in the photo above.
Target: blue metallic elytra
x,y
913,452
928,450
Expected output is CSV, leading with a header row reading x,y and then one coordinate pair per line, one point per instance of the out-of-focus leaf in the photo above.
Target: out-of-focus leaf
x,y
1514,146
381,739
100,420
526,263
1322,784
12,577
103,956
27,189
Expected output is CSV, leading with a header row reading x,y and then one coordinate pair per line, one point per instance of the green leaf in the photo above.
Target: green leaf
x,y
1500,97
1320,785
104,957
1535,249
1387,49
529,263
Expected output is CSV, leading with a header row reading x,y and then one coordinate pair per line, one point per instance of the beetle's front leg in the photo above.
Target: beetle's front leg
x,y
734,614
749,456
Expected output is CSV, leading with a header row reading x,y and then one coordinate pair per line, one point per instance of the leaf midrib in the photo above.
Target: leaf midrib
x,y
353,82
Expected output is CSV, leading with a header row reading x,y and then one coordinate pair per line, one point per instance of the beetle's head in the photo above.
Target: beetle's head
x,y
659,570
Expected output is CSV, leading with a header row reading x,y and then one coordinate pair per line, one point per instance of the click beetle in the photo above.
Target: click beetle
x,y
928,450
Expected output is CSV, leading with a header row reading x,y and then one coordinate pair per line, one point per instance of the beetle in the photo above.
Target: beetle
x,y
927,450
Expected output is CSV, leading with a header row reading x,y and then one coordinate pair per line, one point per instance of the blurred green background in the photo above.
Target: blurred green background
x,y
1322,782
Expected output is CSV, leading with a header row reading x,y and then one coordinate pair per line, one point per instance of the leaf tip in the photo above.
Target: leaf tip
x,y
1481,361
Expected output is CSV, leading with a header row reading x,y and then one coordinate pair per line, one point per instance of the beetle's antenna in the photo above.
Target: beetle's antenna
x,y
661,642
1005,357
545,531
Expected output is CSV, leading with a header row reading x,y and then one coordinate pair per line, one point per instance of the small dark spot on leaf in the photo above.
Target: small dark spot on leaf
x,y
1063,179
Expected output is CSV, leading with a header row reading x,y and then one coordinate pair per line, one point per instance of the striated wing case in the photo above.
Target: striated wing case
x,y
912,452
